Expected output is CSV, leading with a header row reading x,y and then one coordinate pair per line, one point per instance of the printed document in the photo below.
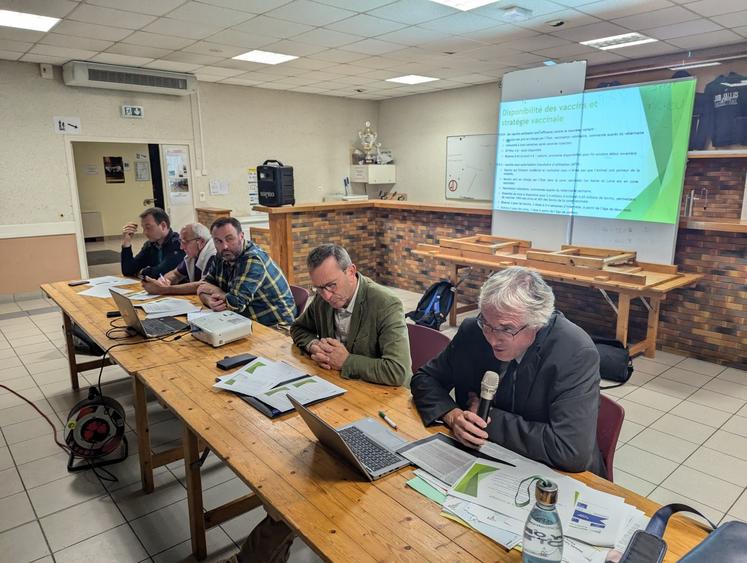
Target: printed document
x,y
258,376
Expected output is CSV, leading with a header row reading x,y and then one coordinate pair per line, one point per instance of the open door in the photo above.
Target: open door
x,y
177,184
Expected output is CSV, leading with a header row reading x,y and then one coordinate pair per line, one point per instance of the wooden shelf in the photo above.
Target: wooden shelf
x,y
721,225
734,153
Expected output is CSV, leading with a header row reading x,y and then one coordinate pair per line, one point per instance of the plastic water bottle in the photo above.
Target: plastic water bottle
x,y
543,534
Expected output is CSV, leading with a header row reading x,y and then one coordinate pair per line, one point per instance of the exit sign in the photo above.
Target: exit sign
x,y
132,112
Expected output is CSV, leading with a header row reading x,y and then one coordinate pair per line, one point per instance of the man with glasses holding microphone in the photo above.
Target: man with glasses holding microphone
x,y
353,325
547,401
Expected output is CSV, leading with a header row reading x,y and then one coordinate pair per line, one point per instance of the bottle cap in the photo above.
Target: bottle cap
x,y
546,492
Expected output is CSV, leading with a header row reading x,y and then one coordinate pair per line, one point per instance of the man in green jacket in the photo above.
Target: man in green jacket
x,y
353,325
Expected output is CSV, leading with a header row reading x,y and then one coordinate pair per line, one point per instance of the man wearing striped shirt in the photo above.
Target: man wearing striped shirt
x,y
244,279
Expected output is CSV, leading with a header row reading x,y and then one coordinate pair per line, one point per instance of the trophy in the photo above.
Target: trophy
x,y
368,141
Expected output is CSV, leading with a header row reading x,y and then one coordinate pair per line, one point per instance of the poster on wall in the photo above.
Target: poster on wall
x,y
142,171
177,173
114,170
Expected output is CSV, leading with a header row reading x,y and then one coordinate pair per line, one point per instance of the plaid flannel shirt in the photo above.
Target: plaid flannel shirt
x,y
254,285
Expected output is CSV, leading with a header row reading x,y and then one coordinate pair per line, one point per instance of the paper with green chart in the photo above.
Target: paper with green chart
x,y
270,381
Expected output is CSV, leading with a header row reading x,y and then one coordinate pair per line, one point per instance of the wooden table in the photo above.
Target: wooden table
x,y
324,500
339,515
89,313
651,294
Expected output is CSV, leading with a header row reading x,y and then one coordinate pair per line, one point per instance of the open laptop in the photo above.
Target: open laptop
x,y
365,443
150,328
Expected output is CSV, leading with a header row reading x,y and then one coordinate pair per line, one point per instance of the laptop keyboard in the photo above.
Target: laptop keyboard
x,y
158,327
371,454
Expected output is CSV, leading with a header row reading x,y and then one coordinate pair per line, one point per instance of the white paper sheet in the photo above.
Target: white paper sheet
x,y
258,376
110,280
141,296
168,307
100,291
307,390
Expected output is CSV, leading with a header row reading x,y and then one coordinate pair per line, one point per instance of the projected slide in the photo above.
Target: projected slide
x,y
617,153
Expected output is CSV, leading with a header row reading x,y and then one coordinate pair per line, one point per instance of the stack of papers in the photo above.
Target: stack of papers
x,y
168,307
268,382
483,497
100,286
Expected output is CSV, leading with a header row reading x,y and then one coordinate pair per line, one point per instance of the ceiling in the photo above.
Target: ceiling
x,y
349,47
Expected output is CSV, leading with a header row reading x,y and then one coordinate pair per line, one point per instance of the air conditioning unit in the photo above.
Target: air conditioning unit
x,y
130,78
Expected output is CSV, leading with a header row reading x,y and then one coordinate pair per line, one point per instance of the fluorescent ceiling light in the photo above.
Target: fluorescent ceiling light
x,y
411,79
464,5
693,65
23,20
265,57
618,41
549,62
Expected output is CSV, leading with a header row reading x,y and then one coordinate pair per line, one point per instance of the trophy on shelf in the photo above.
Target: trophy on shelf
x,y
368,142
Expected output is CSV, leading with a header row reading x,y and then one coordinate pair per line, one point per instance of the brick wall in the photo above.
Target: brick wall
x,y
400,231
354,229
261,236
707,322
724,179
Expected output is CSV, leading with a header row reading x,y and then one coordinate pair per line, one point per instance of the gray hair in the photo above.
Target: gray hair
x,y
199,231
520,290
324,251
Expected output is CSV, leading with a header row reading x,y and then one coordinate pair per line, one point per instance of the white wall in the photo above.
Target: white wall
x,y
245,126
35,181
242,127
416,127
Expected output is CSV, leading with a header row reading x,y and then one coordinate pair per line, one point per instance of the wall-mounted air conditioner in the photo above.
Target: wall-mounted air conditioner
x,y
133,79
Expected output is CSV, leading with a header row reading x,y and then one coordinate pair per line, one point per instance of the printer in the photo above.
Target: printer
x,y
220,328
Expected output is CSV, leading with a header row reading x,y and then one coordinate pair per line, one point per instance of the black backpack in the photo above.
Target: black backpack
x,y
614,361
434,306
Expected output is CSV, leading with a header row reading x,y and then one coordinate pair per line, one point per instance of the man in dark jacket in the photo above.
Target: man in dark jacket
x,y
547,401
160,254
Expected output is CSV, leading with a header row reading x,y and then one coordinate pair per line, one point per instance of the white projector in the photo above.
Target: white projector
x,y
221,328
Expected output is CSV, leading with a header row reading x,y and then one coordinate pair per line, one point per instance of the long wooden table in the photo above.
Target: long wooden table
x,y
89,314
341,516
651,295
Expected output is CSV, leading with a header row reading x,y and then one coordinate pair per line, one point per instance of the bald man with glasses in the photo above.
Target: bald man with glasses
x,y
353,325
547,402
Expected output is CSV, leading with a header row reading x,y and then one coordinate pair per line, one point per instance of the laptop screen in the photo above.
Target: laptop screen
x,y
129,314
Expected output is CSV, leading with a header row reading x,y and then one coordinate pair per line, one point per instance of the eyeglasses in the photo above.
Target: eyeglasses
x,y
497,331
182,241
327,287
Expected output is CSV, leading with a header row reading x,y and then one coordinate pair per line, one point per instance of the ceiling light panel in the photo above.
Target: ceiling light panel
x,y
618,41
265,57
23,20
411,79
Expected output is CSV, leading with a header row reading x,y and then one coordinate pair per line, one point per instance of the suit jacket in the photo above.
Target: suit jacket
x,y
378,343
547,410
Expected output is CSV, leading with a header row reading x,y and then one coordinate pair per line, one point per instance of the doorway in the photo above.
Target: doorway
x,y
116,182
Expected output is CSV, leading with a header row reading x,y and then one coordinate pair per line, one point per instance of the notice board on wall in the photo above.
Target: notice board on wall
x,y
470,167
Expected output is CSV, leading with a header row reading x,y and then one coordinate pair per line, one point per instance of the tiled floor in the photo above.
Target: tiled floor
x,y
684,439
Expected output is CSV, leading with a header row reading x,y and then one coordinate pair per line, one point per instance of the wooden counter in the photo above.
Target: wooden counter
x,y
719,225
374,204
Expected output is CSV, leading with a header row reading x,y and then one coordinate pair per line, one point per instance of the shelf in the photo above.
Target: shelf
x,y
720,225
735,153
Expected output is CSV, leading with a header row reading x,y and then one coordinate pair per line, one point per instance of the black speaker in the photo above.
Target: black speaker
x,y
275,184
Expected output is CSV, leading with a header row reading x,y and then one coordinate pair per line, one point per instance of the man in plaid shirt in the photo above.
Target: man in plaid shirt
x,y
244,279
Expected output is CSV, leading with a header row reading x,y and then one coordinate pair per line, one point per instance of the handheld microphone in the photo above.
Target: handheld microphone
x,y
488,388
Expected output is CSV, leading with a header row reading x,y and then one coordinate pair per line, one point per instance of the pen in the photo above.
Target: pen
x,y
388,420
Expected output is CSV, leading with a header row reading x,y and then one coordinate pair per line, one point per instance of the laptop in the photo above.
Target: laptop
x,y
366,444
150,328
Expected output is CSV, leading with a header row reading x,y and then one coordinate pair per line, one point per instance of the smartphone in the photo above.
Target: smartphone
x,y
232,362
77,282
644,548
